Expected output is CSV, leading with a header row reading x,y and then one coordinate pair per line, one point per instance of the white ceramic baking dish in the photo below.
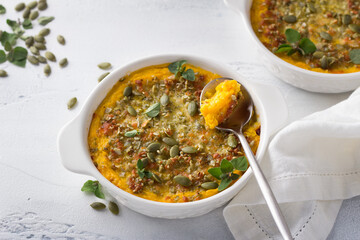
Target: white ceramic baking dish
x,y
73,146
298,77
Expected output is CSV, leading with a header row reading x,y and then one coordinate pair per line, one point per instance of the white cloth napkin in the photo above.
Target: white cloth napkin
x,y
311,165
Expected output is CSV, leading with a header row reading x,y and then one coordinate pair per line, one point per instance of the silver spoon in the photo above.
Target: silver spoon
x,y
234,123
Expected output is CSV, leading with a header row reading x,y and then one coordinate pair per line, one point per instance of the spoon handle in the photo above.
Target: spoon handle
x,y
266,190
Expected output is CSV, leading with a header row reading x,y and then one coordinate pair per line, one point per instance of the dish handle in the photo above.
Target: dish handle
x,y
239,6
71,148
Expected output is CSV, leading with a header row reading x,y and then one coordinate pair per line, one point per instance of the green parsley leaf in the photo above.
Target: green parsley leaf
x,y
140,164
153,110
226,166
45,20
175,67
148,174
355,56
215,172
292,36
7,46
307,45
291,52
27,24
2,56
2,9
132,133
189,75
8,37
18,56
94,187
240,163
224,183
141,174
15,26
283,48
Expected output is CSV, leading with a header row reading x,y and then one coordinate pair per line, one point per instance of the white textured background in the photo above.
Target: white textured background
x,y
38,198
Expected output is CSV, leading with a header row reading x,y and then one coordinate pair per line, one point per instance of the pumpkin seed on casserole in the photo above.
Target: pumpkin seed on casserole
x,y
148,138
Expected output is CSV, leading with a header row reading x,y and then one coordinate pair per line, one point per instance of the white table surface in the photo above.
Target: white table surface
x,y
38,197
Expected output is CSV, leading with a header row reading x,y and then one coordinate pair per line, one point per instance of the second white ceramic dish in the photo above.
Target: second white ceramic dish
x,y
298,77
73,146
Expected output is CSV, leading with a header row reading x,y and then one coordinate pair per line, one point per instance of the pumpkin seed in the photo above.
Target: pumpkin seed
x,y
19,7
3,73
318,54
40,46
32,5
34,50
33,60
153,147
39,38
127,91
145,161
290,19
98,205
63,62
189,149
346,19
42,59
71,103
156,178
47,70
174,151
192,108
325,36
131,111
44,32
232,142
324,62
113,207
104,65
182,180
42,6
61,39
151,156
50,56
34,15
29,41
102,76
210,185
26,13
164,100
153,110
354,28
169,141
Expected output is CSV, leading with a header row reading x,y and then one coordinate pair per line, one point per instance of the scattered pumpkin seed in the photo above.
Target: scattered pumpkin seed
x,y
63,62
354,27
3,73
44,32
98,205
324,62
34,15
151,155
153,147
71,103
19,7
232,142
42,59
39,38
42,6
102,76
346,19
174,151
131,111
290,19
50,56
189,149
26,13
127,91
164,100
32,5
169,141
182,180
153,110
45,20
192,108
318,54
61,39
29,41
33,60
40,46
34,50
104,65
156,178
325,36
113,207
210,185
47,70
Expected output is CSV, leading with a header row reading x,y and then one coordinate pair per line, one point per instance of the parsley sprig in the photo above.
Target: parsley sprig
x,y
225,171
141,170
296,44
180,70
94,187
